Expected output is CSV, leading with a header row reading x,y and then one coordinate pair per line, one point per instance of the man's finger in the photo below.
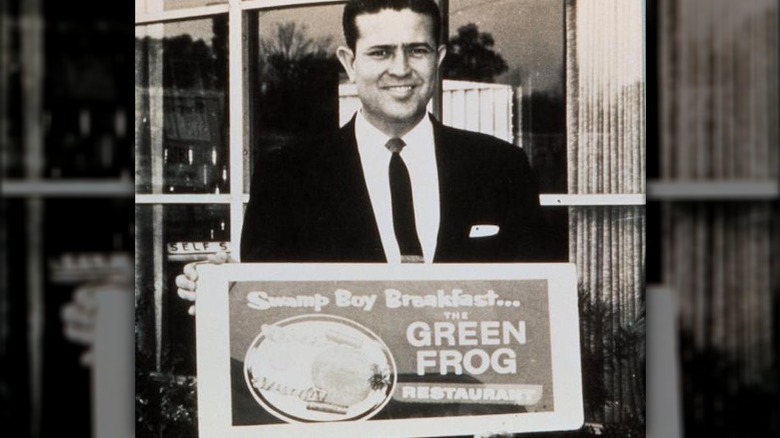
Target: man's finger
x,y
191,272
186,294
79,335
183,283
84,297
219,257
191,310
72,314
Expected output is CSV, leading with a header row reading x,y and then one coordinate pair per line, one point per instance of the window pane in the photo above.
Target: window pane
x,y
608,246
175,235
43,258
503,75
77,253
169,237
181,107
87,115
294,74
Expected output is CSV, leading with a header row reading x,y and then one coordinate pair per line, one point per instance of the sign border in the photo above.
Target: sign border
x,y
213,345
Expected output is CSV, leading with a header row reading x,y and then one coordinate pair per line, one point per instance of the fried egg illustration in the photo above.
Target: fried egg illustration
x,y
344,373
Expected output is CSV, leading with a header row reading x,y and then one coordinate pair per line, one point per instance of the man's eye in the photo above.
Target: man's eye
x,y
379,53
419,51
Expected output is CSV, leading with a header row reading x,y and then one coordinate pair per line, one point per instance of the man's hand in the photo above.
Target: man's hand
x,y
187,282
79,315
78,320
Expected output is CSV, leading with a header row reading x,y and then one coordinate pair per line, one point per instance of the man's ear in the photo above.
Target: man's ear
x,y
347,59
442,51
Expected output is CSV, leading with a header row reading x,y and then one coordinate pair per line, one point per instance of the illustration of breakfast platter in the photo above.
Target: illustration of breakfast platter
x,y
319,368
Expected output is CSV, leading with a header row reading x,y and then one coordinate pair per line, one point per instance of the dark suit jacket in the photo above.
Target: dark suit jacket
x,y
309,202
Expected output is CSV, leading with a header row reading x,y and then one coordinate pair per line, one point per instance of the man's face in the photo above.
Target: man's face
x,y
394,67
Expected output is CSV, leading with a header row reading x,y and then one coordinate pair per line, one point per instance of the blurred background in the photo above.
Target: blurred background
x,y
66,160
694,128
713,211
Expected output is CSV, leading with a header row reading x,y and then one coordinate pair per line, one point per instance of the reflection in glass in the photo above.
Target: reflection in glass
x,y
196,223
294,74
503,75
181,107
86,115
165,333
607,245
188,233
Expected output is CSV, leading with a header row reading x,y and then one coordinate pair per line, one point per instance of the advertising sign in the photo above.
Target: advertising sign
x,y
387,350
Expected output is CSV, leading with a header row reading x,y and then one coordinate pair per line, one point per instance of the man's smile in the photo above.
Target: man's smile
x,y
401,91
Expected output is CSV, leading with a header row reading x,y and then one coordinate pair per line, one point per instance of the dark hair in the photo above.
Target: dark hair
x,y
363,7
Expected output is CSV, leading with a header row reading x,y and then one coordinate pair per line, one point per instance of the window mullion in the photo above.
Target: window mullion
x,y
237,120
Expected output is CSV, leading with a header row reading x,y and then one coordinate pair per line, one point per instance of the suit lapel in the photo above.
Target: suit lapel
x,y
448,165
352,191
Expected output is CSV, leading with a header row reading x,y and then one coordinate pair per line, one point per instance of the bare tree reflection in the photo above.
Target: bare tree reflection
x,y
471,56
296,92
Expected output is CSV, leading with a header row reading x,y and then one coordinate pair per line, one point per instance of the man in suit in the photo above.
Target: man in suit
x,y
475,197
463,196
330,199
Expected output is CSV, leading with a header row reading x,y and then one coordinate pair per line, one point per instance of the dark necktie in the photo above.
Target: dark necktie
x,y
403,206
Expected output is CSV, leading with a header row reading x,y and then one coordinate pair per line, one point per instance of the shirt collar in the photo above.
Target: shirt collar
x,y
371,140
420,138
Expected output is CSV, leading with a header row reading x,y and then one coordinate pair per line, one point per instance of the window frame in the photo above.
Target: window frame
x,y
237,119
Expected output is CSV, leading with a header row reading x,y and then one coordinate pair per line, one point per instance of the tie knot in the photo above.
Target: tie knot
x,y
395,144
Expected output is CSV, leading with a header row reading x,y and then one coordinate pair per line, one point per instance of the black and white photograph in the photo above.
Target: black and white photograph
x,y
431,133
633,141
399,133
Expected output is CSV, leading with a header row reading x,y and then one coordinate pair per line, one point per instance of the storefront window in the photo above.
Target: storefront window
x,y
294,74
181,107
170,236
503,76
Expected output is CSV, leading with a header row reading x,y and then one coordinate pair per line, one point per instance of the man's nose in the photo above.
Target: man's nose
x,y
399,64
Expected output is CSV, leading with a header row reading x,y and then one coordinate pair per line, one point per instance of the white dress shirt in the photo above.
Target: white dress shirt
x,y
419,155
